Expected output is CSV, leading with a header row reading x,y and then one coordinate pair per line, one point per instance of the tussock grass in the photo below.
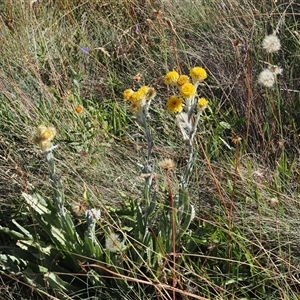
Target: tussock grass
x,y
56,55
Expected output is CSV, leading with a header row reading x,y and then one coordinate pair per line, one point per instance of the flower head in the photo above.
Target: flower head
x,y
271,43
175,104
273,202
202,104
137,96
143,89
171,78
151,93
198,74
127,94
275,69
182,80
113,243
135,107
44,136
266,78
187,90
167,164
85,50
79,109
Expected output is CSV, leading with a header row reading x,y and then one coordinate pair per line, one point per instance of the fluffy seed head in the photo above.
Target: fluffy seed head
x,y
113,243
167,164
271,43
266,78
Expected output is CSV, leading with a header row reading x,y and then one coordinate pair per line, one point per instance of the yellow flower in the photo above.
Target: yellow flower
x,y
198,74
202,104
175,104
187,90
44,136
171,78
79,109
182,80
144,89
137,96
127,94
45,133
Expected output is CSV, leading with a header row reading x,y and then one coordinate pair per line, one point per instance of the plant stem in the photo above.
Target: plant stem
x,y
55,182
171,197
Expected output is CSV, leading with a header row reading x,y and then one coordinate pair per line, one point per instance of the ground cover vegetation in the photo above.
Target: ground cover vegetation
x,y
149,149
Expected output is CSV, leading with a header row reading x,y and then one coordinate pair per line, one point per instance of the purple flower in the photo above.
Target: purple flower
x,y
136,28
85,50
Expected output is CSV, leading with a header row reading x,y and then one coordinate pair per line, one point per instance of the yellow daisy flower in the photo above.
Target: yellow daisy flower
x,y
175,104
182,80
202,104
137,96
144,89
44,136
198,74
127,94
171,78
187,90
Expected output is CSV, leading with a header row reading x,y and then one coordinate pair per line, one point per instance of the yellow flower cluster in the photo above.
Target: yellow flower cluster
x,y
44,136
187,90
138,98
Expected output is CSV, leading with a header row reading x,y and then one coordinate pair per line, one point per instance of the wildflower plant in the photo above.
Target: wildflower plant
x,y
59,239
186,105
160,229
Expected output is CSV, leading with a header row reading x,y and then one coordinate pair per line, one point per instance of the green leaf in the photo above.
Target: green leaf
x,y
59,236
12,263
37,202
225,125
12,233
25,231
